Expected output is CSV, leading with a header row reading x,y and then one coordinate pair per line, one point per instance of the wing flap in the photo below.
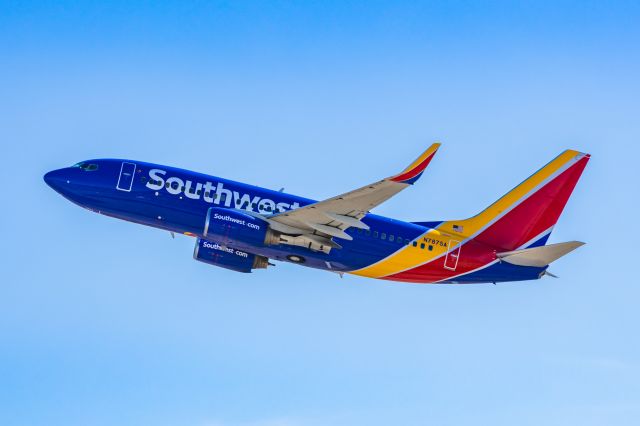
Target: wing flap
x,y
330,230
347,220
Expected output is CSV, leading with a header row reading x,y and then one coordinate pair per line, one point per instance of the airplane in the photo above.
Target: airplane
x,y
243,227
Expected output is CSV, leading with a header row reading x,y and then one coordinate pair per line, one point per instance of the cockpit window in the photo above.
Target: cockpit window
x,y
87,167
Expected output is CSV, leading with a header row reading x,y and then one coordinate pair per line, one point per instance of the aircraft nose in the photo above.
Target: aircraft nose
x,y
55,179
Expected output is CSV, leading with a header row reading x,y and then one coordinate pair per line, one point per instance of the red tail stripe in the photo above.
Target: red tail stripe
x,y
534,215
415,171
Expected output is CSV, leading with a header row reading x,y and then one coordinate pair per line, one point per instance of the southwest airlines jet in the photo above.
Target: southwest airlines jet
x,y
241,227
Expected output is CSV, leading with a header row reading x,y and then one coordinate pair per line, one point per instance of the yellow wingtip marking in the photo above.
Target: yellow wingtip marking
x,y
432,149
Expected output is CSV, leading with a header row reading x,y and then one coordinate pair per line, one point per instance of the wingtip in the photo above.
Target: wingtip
x,y
415,169
431,150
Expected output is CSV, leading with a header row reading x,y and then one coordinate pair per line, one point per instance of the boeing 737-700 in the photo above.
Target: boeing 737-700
x,y
242,227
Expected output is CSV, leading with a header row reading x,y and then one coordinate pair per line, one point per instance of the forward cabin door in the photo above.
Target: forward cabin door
x,y
125,180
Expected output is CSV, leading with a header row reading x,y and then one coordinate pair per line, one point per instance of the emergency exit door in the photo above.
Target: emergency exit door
x,y
453,255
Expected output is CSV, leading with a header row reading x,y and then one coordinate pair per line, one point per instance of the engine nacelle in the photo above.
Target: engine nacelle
x,y
226,257
229,227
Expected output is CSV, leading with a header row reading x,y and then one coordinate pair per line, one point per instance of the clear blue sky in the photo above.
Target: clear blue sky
x,y
103,322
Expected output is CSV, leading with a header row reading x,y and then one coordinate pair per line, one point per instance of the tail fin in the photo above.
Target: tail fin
x,y
525,216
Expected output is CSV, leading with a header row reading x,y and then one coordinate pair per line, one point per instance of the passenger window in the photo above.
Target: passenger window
x,y
383,236
415,244
392,238
422,245
430,248
375,234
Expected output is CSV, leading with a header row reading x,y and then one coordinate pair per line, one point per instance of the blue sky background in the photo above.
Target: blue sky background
x,y
104,322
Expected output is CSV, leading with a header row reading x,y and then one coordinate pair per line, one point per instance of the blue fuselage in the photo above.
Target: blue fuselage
x,y
177,200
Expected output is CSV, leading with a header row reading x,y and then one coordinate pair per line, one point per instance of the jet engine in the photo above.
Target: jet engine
x,y
227,257
229,227
237,228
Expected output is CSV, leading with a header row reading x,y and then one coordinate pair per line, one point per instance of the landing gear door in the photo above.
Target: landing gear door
x,y
125,180
453,254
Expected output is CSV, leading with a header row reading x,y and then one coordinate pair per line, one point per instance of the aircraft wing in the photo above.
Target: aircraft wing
x,y
332,216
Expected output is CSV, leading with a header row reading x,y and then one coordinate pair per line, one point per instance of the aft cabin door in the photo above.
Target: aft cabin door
x,y
453,253
125,180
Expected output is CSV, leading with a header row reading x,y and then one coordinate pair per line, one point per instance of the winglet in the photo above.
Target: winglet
x,y
412,173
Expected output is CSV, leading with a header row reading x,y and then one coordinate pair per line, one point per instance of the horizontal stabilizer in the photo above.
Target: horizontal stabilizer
x,y
539,256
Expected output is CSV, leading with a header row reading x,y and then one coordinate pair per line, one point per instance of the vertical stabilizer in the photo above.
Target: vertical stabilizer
x,y
525,216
